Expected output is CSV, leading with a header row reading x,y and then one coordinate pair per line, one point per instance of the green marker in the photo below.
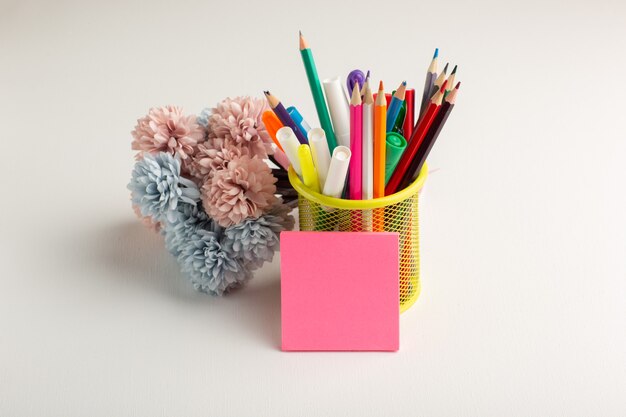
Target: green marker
x,y
318,96
396,144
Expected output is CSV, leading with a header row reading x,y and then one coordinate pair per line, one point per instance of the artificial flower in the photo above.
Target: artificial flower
x,y
157,187
243,189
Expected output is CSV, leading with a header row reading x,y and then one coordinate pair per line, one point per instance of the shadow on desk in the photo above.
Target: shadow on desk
x,y
137,260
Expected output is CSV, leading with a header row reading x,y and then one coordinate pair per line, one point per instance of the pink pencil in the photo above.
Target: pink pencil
x,y
356,145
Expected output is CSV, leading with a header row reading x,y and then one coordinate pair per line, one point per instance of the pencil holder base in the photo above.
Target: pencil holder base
x,y
395,213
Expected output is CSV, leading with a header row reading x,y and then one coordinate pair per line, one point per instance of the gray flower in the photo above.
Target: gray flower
x,y
256,240
187,219
203,118
209,266
157,186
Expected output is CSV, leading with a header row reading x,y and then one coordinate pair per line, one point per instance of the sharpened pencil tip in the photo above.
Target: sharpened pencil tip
x,y
303,42
356,95
404,83
445,69
436,53
443,86
266,92
367,77
458,85
380,86
454,70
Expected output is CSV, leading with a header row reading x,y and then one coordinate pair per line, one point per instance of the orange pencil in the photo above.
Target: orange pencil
x,y
380,141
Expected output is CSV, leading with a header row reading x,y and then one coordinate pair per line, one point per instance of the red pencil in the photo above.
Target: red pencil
x,y
409,117
429,140
416,140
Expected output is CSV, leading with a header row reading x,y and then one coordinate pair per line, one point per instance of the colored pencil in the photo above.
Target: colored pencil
x,y
436,87
431,137
439,81
418,136
395,105
368,151
387,101
284,117
316,91
380,155
356,145
431,76
409,116
399,124
368,142
380,141
450,85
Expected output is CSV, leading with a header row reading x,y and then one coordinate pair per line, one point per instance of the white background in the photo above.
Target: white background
x,y
523,308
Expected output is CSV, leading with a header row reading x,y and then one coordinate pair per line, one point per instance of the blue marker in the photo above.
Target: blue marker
x,y
395,106
299,120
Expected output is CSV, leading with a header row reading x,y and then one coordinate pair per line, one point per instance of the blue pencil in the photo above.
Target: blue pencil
x,y
395,106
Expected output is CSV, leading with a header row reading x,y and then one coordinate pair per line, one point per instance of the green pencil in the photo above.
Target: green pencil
x,y
316,91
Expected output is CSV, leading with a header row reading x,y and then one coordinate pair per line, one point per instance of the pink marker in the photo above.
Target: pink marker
x,y
356,145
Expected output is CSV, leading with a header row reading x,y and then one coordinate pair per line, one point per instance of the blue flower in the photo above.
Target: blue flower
x,y
256,240
203,118
209,266
187,219
157,186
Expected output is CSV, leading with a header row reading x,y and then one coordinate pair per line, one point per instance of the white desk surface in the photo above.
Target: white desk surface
x,y
523,309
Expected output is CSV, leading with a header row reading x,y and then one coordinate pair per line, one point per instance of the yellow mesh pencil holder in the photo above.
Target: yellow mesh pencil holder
x,y
398,212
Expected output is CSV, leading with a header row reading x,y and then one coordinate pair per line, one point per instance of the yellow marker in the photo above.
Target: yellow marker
x,y
309,174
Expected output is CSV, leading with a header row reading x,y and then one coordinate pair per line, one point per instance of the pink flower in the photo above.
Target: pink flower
x,y
240,120
215,154
167,129
242,189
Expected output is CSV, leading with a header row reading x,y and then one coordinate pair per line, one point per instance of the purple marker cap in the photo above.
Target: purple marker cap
x,y
355,76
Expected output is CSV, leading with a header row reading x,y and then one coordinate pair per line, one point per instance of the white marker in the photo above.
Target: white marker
x,y
290,144
336,179
321,154
339,110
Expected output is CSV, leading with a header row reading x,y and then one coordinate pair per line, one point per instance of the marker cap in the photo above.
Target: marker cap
x,y
396,144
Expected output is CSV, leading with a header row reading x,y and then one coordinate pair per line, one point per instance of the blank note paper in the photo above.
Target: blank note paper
x,y
339,291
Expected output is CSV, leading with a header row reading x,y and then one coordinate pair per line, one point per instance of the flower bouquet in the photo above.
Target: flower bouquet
x,y
209,186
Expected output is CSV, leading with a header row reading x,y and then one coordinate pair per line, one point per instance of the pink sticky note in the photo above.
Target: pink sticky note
x,y
339,291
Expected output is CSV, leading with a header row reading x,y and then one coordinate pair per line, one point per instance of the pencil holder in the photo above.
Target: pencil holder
x,y
398,212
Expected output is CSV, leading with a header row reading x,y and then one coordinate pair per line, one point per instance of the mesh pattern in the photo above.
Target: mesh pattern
x,y
401,217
